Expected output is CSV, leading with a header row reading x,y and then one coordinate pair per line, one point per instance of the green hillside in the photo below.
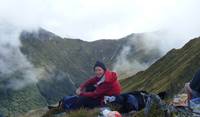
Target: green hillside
x,y
168,73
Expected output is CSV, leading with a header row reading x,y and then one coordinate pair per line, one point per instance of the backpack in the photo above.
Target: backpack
x,y
127,101
141,97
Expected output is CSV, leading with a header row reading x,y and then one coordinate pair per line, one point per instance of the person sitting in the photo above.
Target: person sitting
x,y
105,83
90,94
192,88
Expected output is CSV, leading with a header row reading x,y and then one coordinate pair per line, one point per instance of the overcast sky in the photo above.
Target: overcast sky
x,y
103,19
174,22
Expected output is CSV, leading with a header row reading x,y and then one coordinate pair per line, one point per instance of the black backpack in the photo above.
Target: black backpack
x,y
141,96
125,106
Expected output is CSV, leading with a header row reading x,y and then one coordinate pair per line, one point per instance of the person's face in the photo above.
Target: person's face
x,y
99,72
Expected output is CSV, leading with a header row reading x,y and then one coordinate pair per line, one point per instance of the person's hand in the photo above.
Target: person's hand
x,y
78,91
109,99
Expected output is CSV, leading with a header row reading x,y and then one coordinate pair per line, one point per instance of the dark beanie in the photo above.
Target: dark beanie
x,y
99,64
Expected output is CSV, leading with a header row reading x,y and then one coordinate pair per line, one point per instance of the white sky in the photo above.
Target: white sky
x,y
95,19
103,19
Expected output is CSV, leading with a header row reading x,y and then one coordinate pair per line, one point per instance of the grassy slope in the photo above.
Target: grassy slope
x,y
170,72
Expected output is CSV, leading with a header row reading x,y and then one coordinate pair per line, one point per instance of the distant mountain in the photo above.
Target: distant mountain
x,y
63,64
170,72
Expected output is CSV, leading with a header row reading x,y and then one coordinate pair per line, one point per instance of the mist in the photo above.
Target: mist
x,y
15,70
144,45
126,68
149,42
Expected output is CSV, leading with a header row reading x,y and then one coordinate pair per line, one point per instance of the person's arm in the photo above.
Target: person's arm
x,y
88,82
83,85
101,90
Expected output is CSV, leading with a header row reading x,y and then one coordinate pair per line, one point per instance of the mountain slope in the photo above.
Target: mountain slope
x,y
168,73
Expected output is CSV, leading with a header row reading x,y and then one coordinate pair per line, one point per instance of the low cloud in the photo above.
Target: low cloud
x,y
125,67
138,46
15,70
152,45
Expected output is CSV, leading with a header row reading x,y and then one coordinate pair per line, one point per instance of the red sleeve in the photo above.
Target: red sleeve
x,y
100,91
90,81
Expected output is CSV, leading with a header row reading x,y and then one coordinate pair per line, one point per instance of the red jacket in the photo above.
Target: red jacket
x,y
109,87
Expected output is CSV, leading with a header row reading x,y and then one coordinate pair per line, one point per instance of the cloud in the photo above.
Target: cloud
x,y
126,68
15,70
143,49
151,44
100,19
